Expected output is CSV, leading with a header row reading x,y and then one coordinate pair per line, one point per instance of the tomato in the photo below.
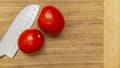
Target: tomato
x,y
30,41
51,20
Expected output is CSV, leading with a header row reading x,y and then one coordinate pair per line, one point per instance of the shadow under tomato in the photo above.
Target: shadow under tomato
x,y
41,51
52,35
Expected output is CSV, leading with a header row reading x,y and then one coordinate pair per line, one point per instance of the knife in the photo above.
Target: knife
x,y
24,20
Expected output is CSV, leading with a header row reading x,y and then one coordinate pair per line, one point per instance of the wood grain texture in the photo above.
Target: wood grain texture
x,y
112,34
80,45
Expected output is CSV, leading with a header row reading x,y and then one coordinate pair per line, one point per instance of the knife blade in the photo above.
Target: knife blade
x,y
24,20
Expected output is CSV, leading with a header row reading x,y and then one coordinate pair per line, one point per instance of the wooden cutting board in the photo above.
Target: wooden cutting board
x,y
80,45
112,34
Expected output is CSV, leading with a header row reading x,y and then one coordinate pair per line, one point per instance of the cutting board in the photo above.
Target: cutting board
x,y
112,34
80,45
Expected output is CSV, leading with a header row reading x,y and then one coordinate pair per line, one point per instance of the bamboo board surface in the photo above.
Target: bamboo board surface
x,y
112,34
79,46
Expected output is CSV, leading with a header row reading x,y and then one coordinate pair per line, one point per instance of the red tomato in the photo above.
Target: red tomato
x,y
30,41
51,20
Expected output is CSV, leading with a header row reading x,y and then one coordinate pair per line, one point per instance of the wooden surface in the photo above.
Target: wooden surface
x,y
79,46
112,34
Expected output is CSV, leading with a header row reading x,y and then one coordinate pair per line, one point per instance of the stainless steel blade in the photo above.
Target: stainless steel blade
x,y
24,20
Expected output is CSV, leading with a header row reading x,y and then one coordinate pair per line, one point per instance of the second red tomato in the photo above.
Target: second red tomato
x,y
51,20
30,41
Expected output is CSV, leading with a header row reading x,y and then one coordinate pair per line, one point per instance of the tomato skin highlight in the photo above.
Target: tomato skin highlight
x,y
51,20
30,41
